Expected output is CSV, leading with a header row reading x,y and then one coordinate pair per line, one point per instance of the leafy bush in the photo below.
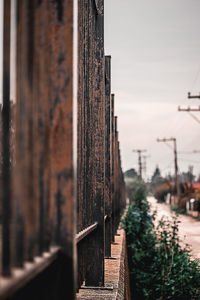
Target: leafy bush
x,y
179,210
160,267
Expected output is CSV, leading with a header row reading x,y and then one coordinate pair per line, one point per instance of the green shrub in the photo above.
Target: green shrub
x,y
160,267
179,211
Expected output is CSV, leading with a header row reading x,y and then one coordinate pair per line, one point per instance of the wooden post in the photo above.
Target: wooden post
x,y
62,204
6,178
113,165
91,108
44,186
108,199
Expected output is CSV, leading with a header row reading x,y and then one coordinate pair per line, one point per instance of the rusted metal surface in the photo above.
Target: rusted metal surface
x,y
6,178
107,188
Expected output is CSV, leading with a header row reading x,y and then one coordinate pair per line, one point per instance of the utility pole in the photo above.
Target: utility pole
x,y
175,161
139,151
144,157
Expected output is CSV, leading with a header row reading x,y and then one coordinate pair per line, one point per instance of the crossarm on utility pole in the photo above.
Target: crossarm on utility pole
x,y
189,108
193,97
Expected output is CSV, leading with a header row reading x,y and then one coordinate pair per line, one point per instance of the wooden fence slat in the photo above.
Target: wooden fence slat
x,y
6,176
91,138
108,199
44,185
26,202
113,165
62,202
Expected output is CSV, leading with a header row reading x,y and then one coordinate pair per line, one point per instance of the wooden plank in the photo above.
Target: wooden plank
x,y
44,185
113,164
107,188
6,176
116,194
25,181
62,200
83,95
42,111
91,135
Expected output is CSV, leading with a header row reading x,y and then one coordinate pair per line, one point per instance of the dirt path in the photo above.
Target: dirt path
x,y
189,228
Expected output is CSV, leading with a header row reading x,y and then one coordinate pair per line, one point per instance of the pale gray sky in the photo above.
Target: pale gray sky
x,y
155,49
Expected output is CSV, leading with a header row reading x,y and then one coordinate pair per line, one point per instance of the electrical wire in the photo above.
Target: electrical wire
x,y
194,117
169,146
190,160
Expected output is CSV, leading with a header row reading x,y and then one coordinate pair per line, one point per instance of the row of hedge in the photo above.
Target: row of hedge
x,y
160,267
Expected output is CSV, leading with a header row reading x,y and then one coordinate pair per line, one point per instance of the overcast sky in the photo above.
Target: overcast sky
x,y
155,49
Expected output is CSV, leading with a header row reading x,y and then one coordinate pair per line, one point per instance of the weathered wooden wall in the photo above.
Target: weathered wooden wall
x,y
43,224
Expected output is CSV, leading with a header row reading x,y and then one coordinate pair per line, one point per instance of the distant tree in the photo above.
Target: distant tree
x,y
156,175
198,178
131,173
188,176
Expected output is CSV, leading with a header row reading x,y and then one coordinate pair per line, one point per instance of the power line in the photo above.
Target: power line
x,y
167,167
194,117
168,145
188,152
190,160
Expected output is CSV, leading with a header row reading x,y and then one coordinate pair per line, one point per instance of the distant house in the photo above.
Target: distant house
x,y
193,203
193,185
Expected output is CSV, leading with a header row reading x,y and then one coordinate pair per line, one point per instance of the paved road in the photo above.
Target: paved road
x,y
189,228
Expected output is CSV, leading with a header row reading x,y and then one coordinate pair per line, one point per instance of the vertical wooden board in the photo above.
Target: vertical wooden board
x,y
116,177
44,130
82,92
42,108
62,204
118,182
95,275
91,135
26,205
6,176
83,95
107,187
113,164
